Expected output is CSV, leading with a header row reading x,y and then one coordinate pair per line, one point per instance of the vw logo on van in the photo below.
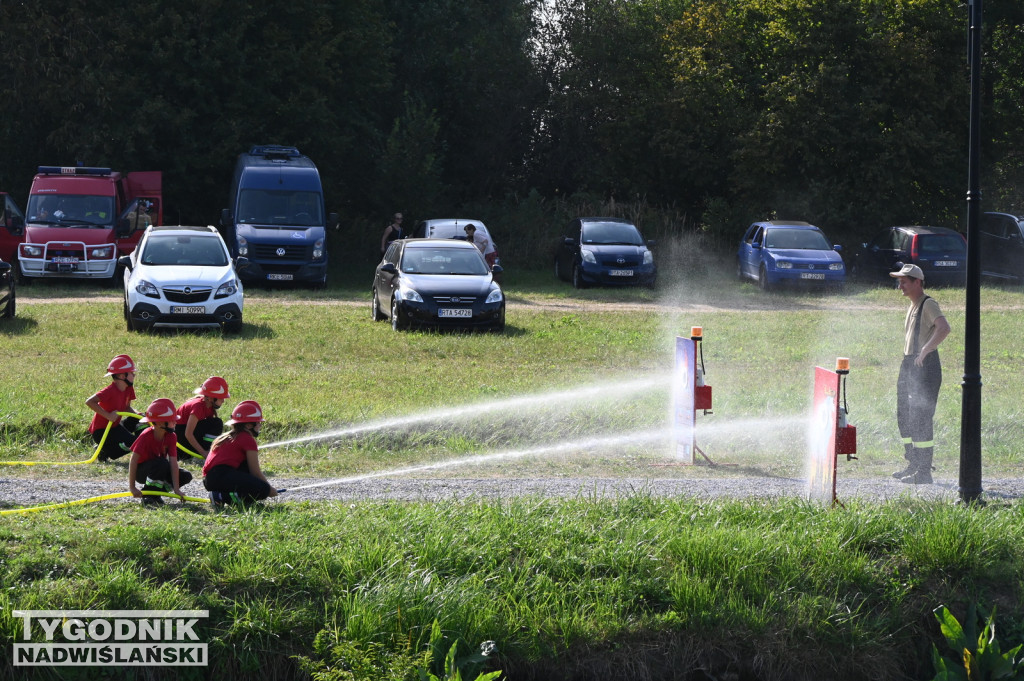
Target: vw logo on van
x,y
280,252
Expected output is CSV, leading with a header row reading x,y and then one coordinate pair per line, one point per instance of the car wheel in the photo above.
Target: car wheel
x,y
762,279
577,278
11,308
129,325
499,326
378,316
234,326
20,274
398,320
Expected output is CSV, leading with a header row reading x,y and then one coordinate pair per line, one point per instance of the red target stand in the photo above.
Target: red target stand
x,y
690,394
830,435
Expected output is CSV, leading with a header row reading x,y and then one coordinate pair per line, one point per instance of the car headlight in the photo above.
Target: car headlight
x,y
494,296
243,246
228,288
783,265
835,266
318,250
648,258
147,289
588,256
30,251
409,294
102,252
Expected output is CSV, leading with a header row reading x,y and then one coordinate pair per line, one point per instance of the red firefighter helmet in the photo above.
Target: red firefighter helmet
x,y
215,387
122,364
161,410
247,411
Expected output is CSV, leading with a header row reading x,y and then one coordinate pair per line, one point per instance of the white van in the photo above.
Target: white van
x,y
453,228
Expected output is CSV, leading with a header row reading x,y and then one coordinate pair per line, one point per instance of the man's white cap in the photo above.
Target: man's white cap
x,y
912,271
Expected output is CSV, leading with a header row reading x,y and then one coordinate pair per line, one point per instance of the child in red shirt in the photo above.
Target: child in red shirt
x,y
107,402
232,470
154,461
198,423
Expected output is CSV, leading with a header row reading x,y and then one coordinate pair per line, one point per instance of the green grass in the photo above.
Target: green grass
x,y
778,589
842,593
320,365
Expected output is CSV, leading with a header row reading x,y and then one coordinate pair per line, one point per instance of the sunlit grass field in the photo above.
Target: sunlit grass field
x,y
638,587
350,396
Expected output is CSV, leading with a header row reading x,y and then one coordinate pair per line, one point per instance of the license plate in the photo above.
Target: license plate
x,y
812,275
280,277
189,309
65,260
946,263
620,273
454,312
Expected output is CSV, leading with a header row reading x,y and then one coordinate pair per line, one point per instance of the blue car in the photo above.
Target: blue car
x,y
777,252
605,252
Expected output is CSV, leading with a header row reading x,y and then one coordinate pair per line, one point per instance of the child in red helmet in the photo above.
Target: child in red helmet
x,y
106,403
232,470
198,423
154,461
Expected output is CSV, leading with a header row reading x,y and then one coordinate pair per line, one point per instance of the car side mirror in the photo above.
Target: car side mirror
x,y
17,227
569,241
125,261
332,221
756,244
225,217
837,248
389,267
241,263
651,243
497,269
124,228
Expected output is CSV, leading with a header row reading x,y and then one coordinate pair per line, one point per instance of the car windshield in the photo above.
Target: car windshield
x,y
71,210
443,261
611,233
168,249
940,244
803,239
269,207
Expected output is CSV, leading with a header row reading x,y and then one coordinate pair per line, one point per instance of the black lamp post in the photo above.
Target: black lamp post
x,y
970,419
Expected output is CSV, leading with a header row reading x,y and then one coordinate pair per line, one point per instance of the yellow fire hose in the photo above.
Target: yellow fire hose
x,y
104,497
95,454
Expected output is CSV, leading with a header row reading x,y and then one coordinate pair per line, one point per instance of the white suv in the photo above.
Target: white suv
x,y
182,277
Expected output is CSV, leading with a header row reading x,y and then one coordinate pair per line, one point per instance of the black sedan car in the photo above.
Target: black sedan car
x,y
437,282
7,299
605,251
941,254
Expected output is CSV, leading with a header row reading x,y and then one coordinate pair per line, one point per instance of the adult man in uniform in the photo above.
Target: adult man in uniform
x,y
917,389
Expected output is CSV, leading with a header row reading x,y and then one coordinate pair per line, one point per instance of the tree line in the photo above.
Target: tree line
x,y
849,113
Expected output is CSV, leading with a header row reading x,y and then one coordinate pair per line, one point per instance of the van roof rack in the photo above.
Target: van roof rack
x,y
72,170
274,151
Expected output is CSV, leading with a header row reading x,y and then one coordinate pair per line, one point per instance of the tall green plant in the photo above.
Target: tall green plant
x,y
978,656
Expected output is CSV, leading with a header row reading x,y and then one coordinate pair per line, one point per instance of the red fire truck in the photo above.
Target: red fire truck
x,y
79,220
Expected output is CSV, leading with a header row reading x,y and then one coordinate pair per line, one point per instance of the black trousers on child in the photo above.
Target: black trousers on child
x,y
238,483
206,432
158,470
119,440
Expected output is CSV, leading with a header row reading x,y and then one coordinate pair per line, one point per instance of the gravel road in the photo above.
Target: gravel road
x,y
32,492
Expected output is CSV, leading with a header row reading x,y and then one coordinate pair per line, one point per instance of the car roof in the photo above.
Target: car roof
x,y
182,228
925,229
1014,215
445,243
622,220
795,224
